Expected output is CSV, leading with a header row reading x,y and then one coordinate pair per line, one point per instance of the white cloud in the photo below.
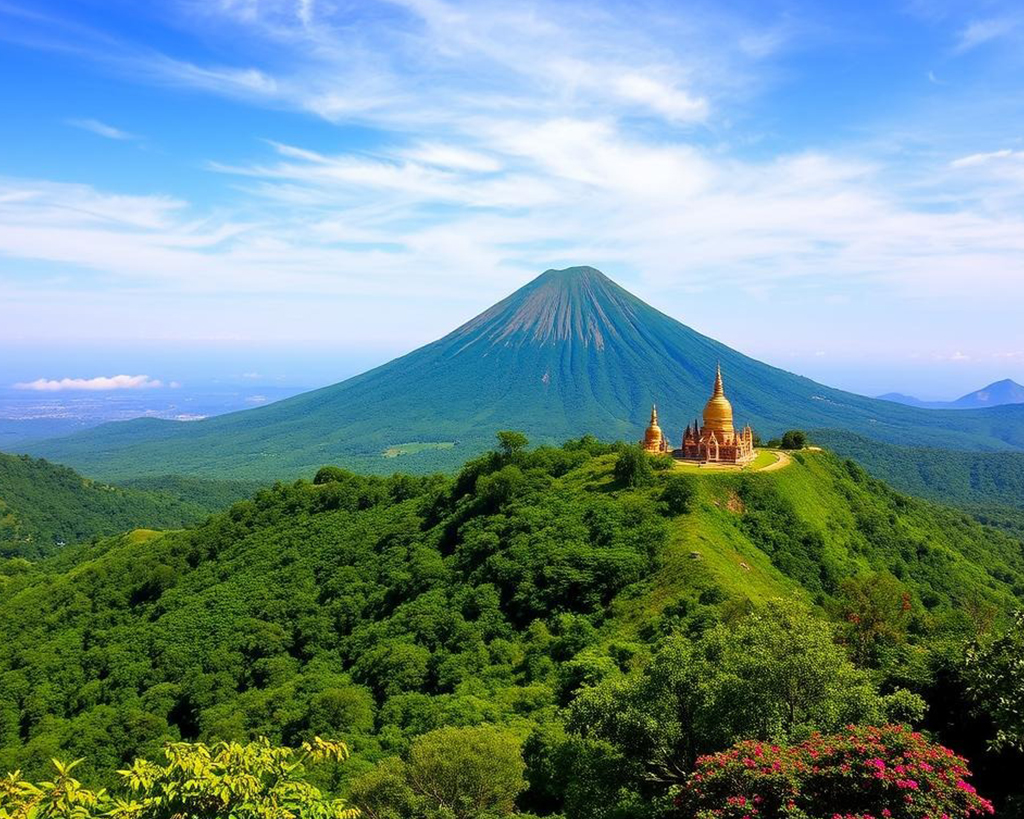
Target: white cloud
x,y
230,80
101,129
979,32
985,158
452,157
100,383
673,104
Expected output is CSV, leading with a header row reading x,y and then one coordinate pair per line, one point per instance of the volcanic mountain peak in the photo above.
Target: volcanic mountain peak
x,y
569,353
577,303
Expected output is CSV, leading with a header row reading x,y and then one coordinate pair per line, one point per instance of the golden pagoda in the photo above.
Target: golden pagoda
x,y
716,440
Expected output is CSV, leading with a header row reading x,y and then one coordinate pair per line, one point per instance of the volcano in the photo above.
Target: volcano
x,y
567,354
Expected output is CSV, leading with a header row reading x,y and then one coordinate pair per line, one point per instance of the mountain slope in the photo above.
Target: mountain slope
x,y
43,505
569,353
994,395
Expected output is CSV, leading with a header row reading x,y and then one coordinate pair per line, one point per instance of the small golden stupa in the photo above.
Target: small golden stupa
x,y
654,440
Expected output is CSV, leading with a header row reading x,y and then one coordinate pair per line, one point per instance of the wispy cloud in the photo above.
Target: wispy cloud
x,y
973,160
979,32
670,102
97,384
101,129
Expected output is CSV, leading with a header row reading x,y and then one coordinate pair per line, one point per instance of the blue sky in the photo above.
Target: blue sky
x,y
203,189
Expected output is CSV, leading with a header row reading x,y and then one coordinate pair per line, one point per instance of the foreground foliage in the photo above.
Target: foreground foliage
x,y
451,773
994,671
251,781
861,773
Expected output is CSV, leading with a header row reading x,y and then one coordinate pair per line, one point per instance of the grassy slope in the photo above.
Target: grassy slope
x,y
823,496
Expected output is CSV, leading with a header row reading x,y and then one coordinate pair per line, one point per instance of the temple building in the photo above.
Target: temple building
x,y
713,441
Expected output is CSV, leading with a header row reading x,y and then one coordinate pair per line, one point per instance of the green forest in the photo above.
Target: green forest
x,y
576,631
44,506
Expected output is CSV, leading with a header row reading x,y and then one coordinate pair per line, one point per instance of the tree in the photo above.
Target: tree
x,y
331,474
780,673
393,666
994,674
341,709
794,439
678,494
467,771
384,792
775,675
633,468
253,781
876,610
859,773
511,443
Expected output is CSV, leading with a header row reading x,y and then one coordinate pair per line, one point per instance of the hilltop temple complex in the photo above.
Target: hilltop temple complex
x,y
713,441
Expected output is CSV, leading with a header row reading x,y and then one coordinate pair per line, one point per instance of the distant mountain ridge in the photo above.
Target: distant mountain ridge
x,y
997,394
569,353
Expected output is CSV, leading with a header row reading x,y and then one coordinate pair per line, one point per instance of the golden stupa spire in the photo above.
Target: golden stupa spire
x,y
719,389
654,415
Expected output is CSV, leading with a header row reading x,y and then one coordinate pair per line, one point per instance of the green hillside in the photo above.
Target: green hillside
x,y
44,505
533,591
989,485
971,478
570,353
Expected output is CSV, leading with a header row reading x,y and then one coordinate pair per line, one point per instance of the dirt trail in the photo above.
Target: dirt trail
x,y
782,459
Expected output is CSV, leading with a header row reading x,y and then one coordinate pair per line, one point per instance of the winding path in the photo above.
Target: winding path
x,y
782,459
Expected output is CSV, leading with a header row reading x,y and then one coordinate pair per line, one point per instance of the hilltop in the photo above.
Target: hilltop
x,y
45,506
567,354
377,609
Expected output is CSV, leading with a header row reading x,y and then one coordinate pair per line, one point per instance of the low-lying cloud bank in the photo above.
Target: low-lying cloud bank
x,y
102,382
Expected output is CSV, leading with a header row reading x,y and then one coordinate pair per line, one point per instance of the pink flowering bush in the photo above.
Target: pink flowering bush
x,y
861,773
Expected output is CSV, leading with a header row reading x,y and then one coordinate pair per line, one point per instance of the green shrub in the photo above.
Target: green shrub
x,y
633,468
678,494
467,771
794,439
